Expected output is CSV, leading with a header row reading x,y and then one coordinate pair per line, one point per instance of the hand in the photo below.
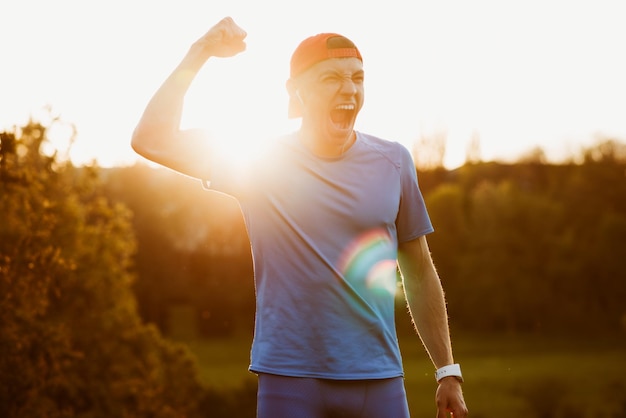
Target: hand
x,y
224,39
449,398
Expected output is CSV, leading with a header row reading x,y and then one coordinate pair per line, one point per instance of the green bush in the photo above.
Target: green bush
x,y
71,342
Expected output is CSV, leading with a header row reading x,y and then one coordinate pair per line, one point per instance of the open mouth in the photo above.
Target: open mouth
x,y
343,115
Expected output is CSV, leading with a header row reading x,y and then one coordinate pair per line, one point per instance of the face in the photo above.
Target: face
x,y
331,94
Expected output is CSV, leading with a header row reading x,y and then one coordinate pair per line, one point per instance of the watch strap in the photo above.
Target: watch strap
x,y
449,370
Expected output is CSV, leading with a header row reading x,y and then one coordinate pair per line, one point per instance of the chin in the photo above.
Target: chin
x,y
340,130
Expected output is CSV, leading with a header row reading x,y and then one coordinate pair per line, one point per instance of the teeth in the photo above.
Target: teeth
x,y
345,107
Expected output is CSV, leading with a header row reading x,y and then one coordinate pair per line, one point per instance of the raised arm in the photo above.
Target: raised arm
x,y
158,136
427,305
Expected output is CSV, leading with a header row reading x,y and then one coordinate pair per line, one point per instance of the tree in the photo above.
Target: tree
x,y
533,246
71,342
430,150
473,152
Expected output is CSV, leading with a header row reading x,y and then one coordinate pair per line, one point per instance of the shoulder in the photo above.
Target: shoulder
x,y
393,151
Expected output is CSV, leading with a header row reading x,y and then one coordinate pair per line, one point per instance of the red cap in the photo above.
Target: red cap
x,y
319,48
315,49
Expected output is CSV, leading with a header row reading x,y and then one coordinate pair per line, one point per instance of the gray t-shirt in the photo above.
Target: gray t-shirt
x,y
324,236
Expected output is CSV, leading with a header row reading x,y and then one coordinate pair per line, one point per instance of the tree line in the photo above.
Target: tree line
x,y
524,247
533,247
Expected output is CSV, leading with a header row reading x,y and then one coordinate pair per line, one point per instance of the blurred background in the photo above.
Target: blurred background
x,y
126,290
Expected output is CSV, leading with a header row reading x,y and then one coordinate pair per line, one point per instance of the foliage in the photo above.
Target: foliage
x,y
520,247
193,250
71,342
532,246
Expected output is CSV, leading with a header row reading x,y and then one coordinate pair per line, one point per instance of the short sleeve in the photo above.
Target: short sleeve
x,y
412,221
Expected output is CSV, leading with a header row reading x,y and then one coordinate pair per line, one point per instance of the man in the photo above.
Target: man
x,y
330,213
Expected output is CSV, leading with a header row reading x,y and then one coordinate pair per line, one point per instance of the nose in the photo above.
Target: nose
x,y
348,87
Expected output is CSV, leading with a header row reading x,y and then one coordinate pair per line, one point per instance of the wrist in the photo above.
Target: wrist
x,y
451,370
197,55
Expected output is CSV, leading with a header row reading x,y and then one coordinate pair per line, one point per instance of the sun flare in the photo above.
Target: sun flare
x,y
241,114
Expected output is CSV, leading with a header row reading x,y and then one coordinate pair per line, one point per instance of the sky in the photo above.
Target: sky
x,y
515,74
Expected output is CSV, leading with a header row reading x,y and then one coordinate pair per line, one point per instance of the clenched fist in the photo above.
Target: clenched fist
x,y
224,39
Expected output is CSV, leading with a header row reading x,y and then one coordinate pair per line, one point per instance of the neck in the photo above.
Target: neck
x,y
325,148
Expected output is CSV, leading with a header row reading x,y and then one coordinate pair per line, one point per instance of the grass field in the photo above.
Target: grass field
x,y
505,376
528,377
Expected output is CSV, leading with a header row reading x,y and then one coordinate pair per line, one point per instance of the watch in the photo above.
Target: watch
x,y
450,370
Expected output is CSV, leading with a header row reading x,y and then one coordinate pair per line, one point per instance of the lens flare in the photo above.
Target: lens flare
x,y
370,261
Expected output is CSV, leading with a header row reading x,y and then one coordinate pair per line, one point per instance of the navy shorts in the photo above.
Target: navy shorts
x,y
298,397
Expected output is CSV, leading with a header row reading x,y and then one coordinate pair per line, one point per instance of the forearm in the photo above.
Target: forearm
x,y
157,136
161,118
426,301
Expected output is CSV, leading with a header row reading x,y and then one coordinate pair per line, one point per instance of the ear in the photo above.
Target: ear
x,y
291,87
295,101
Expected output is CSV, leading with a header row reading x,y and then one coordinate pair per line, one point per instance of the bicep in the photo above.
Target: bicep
x,y
185,151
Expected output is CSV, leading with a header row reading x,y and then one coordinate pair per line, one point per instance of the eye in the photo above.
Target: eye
x,y
331,79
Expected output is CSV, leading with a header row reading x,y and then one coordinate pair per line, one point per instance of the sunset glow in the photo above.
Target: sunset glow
x,y
515,75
